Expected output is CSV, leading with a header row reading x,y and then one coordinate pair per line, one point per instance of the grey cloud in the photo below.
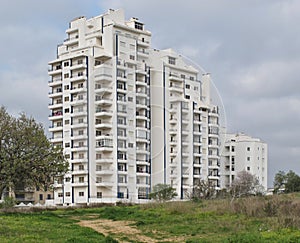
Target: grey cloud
x,y
251,48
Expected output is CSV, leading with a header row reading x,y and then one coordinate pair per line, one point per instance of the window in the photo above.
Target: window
x,y
41,196
81,179
248,148
80,120
98,179
99,194
191,78
232,148
67,110
79,61
80,132
248,158
81,156
67,145
130,99
182,76
81,167
196,88
67,122
132,57
172,60
66,64
68,194
81,194
98,167
248,168
67,156
138,26
81,144
79,74
60,194
66,75
130,145
187,97
68,179
66,87
187,86
98,156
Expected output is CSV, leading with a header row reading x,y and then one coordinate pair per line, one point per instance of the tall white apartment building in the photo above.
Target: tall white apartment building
x,y
244,153
128,116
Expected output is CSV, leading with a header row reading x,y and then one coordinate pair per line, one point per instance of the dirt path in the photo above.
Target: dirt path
x,y
120,229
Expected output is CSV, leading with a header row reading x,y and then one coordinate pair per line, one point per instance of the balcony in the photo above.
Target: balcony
x,y
103,102
55,128
56,139
104,124
79,184
175,88
103,77
78,90
79,66
54,82
105,184
175,78
141,82
107,171
71,41
143,43
56,93
78,125
57,115
78,78
78,102
54,71
108,160
103,113
55,105
77,148
79,172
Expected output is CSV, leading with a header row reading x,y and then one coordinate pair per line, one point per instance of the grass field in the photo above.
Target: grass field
x,y
272,219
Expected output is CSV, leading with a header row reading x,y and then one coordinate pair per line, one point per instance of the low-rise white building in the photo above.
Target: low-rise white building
x,y
244,153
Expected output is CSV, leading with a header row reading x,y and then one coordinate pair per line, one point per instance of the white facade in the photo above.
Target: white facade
x,y
244,153
127,116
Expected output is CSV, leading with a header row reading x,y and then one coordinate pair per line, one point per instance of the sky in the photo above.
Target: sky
x,y
250,47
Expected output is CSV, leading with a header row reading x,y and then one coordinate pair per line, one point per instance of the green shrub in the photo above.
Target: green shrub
x,y
8,202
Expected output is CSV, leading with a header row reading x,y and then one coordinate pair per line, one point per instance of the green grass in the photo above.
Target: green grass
x,y
207,221
44,227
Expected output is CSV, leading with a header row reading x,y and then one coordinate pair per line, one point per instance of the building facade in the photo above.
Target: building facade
x,y
128,116
244,153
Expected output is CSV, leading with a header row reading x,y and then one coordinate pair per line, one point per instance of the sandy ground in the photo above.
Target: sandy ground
x,y
122,229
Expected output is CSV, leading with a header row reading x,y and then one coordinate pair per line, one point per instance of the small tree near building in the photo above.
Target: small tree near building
x,y
203,189
162,193
245,184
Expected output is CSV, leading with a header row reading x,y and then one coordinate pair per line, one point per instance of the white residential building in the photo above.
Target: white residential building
x,y
244,153
128,116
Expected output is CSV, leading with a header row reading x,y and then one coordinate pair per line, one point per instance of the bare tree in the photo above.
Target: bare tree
x,y
203,189
245,184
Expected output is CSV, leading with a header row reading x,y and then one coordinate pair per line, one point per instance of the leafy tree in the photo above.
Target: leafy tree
x,y
290,182
27,158
204,189
163,192
279,181
245,184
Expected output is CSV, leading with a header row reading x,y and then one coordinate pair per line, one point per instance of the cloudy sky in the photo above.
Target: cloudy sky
x,y
251,48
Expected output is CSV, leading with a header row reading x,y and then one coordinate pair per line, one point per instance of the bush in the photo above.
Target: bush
x,y
8,202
